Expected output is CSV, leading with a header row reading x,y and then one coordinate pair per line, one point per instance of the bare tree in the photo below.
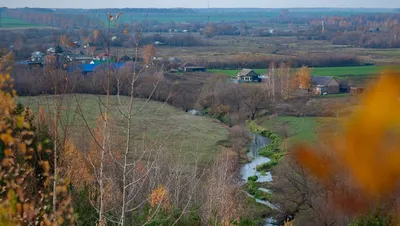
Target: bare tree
x,y
222,192
272,81
255,99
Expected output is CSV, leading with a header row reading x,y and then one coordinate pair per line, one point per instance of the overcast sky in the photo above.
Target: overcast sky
x,y
199,3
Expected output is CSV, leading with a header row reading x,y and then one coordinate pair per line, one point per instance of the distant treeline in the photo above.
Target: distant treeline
x,y
263,61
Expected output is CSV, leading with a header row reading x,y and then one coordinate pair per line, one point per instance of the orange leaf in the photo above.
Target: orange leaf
x,y
319,166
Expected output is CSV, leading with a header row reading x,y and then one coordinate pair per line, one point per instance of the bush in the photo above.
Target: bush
x,y
267,166
253,178
251,187
263,195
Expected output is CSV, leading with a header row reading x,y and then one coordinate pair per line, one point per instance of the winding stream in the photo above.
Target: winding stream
x,y
249,169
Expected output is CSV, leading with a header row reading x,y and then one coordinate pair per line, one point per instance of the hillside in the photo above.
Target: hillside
x,y
180,132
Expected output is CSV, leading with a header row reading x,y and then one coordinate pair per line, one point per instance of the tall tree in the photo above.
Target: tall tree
x,y
255,97
149,51
64,40
209,31
96,34
304,76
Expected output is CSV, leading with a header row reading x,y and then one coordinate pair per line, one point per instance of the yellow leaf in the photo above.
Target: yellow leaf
x,y
6,138
39,147
12,198
19,121
26,125
46,166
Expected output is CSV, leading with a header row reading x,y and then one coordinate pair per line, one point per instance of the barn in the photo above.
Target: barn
x,y
321,85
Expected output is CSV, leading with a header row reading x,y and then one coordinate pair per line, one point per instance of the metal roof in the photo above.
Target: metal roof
x,y
244,72
321,80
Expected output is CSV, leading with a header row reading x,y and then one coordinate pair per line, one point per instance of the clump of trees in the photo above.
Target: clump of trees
x,y
374,39
254,60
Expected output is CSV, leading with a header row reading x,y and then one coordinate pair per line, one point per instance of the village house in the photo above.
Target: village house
x,y
189,67
37,57
247,76
194,69
186,64
322,85
51,50
83,59
103,56
174,60
125,58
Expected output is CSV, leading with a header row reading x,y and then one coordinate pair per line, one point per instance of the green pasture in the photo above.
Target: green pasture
x,y
326,71
9,22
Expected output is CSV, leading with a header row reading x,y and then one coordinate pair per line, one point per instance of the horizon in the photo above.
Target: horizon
x,y
216,4
24,7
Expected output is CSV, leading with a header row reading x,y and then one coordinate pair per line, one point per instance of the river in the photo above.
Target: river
x,y
249,169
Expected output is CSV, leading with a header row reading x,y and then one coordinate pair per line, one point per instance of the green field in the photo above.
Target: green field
x,y
9,22
195,16
191,137
326,71
220,15
299,129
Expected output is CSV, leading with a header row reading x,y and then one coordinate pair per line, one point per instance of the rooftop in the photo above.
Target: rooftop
x,y
321,80
244,72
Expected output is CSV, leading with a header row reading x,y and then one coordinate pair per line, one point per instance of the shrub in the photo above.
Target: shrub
x,y
253,178
263,195
251,187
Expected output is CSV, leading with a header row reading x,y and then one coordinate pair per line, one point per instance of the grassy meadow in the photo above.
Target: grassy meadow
x,y
9,22
181,133
299,129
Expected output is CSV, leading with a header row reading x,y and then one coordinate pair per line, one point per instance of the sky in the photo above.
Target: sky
x,y
200,3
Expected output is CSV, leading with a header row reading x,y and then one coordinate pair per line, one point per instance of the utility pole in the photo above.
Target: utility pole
x,y
1,15
208,9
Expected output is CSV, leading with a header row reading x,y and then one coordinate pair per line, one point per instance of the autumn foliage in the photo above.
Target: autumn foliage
x,y
304,77
74,166
25,169
159,198
149,51
366,151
